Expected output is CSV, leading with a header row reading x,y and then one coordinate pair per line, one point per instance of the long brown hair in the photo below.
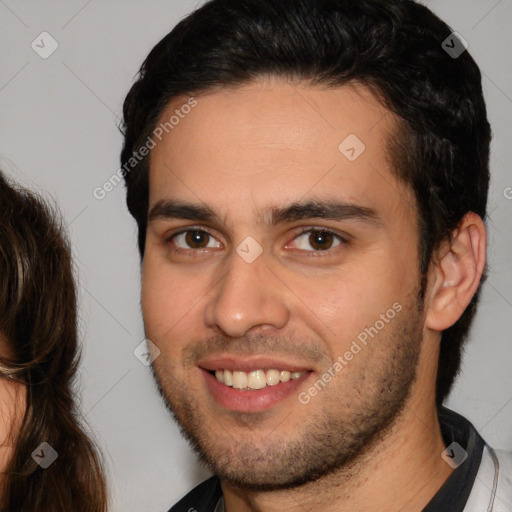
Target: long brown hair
x,y
38,320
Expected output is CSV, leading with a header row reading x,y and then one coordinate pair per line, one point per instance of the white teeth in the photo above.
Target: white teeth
x,y
228,377
273,377
239,380
257,379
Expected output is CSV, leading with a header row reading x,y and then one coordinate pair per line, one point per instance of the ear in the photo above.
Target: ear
x,y
456,273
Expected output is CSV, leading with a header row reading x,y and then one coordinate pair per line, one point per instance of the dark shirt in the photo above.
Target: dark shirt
x,y
451,497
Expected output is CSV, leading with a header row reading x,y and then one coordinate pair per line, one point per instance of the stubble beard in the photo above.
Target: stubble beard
x,y
332,437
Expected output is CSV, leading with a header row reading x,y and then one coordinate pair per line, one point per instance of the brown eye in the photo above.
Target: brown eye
x,y
192,239
321,240
197,239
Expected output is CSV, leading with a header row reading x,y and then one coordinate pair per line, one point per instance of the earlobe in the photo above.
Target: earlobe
x,y
457,272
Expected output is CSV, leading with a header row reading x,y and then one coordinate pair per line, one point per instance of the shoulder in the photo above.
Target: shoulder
x,y
202,498
504,479
493,486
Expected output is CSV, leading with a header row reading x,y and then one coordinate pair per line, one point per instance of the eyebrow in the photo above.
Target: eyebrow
x,y
309,209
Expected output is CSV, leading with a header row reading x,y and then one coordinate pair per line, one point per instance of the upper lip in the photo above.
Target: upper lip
x,y
249,364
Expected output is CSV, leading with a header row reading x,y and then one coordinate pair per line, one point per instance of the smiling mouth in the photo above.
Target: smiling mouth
x,y
257,379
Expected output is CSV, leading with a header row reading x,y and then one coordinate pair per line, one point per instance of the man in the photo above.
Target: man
x,y
309,179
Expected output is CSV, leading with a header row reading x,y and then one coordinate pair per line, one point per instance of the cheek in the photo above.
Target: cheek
x,y
159,299
334,306
349,301
149,290
170,301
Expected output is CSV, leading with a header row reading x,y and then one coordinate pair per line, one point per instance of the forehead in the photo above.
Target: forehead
x,y
272,141
272,112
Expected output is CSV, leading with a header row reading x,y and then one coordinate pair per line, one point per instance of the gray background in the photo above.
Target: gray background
x,y
58,134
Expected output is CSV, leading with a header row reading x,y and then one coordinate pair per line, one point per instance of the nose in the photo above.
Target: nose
x,y
249,295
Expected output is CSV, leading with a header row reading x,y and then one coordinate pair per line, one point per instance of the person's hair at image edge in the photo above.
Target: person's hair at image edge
x,y
440,148
38,322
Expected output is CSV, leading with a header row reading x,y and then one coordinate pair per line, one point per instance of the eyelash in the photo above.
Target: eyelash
x,y
194,252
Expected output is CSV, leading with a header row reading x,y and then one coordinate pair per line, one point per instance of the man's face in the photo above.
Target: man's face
x,y
306,291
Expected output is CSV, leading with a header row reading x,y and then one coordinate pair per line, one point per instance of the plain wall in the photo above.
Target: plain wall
x,y
58,134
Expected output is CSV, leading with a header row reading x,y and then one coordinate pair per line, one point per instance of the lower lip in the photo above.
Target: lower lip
x,y
251,401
